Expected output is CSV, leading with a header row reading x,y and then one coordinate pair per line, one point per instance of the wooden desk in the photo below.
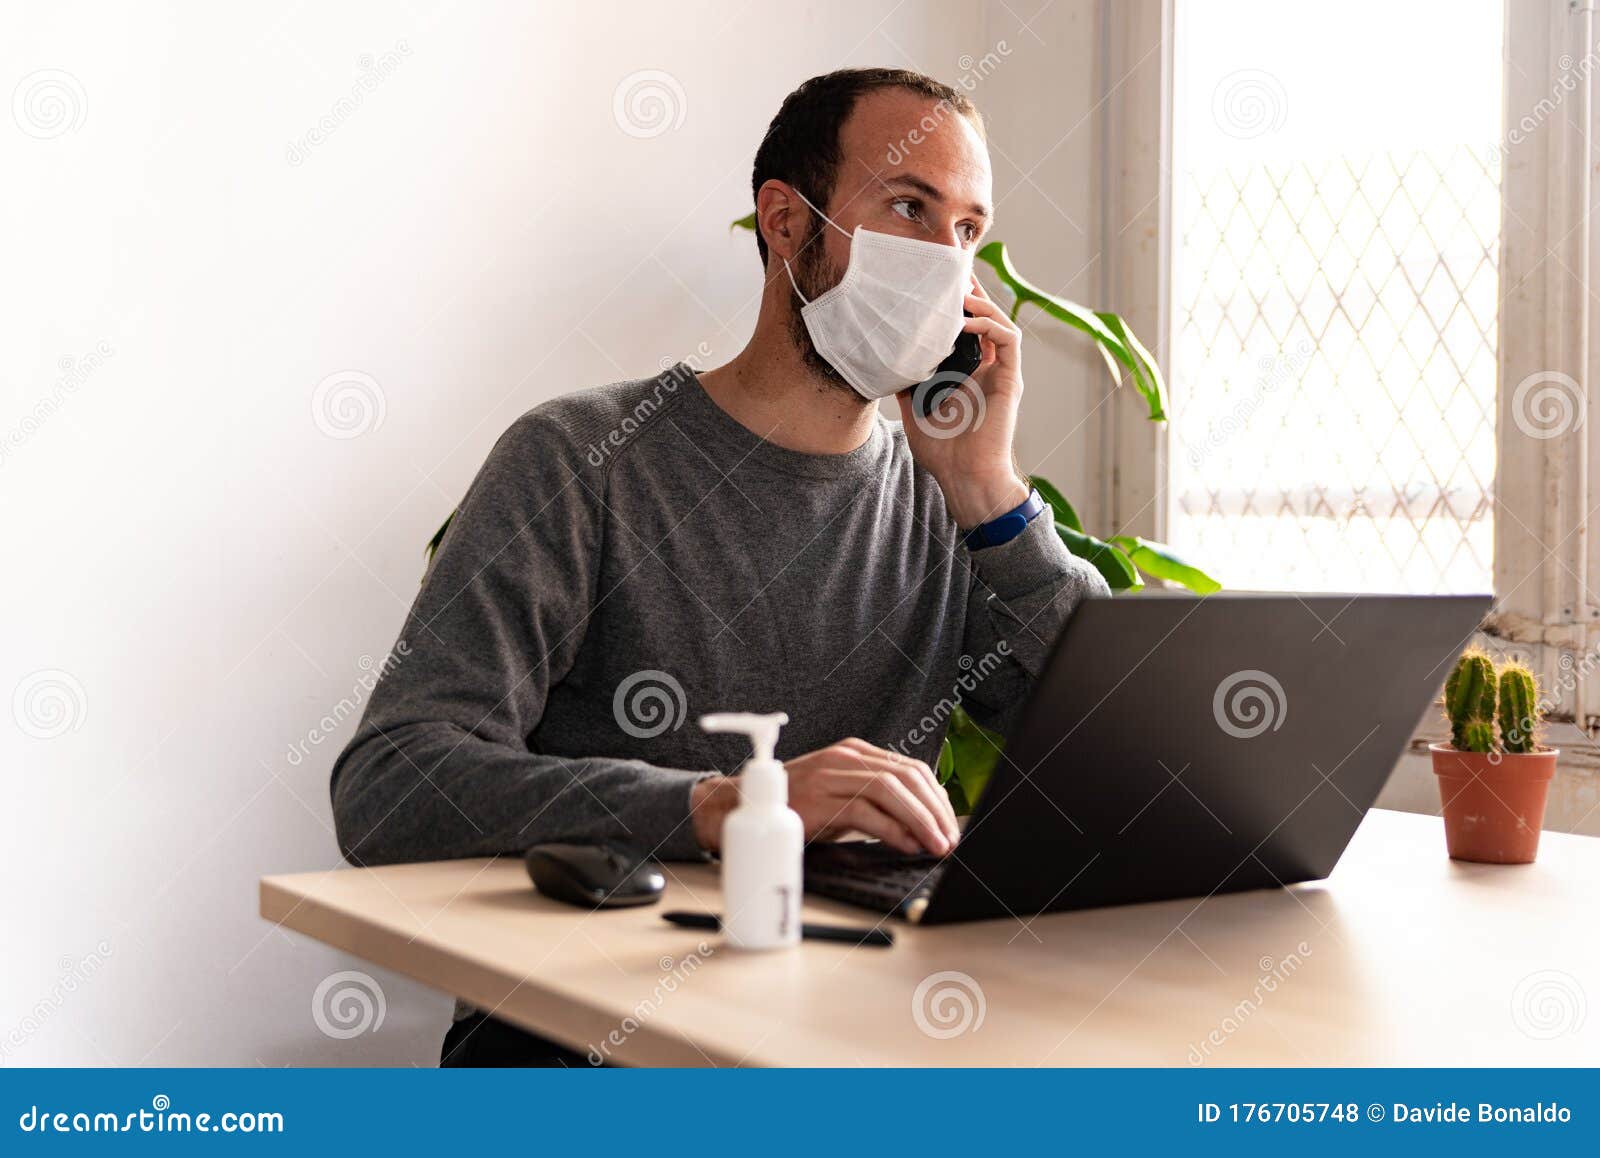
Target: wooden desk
x,y
1403,957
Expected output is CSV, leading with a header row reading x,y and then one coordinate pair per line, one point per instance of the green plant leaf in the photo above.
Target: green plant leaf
x,y
959,804
1146,374
946,774
1160,561
974,752
1107,559
747,222
1058,502
438,537
1057,307
1116,342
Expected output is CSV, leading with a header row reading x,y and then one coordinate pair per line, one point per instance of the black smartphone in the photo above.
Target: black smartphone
x,y
959,365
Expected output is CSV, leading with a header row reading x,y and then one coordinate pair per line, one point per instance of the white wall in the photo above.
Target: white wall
x,y
1043,108
194,566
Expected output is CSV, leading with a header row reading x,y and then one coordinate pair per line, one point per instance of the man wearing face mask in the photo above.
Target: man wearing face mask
x,y
755,537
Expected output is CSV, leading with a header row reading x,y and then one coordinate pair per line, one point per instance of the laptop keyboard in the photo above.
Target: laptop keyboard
x,y
871,874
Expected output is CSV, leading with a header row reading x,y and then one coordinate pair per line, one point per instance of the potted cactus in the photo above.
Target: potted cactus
x,y
1493,788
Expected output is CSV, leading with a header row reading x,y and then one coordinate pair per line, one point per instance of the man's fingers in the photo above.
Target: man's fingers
x,y
890,794
926,783
916,776
997,330
864,815
981,305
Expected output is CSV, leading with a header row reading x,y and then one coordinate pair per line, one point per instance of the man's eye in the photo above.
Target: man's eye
x,y
907,209
969,231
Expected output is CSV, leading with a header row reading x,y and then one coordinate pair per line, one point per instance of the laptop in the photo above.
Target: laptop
x,y
1179,747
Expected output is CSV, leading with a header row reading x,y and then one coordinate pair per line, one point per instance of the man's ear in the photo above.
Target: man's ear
x,y
781,217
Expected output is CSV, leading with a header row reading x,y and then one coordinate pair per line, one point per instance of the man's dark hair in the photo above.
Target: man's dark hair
x,y
802,142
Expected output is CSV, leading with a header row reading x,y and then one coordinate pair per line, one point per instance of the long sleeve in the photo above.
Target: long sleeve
x,y
440,766
1023,593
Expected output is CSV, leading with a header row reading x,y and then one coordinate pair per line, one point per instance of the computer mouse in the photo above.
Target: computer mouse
x,y
594,876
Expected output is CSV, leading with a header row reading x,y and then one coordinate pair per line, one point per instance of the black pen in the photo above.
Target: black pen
x,y
879,938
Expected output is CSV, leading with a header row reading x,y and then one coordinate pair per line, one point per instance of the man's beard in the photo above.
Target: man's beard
x,y
815,275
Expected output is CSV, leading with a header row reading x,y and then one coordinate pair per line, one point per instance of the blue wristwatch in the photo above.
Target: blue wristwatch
x,y
1006,527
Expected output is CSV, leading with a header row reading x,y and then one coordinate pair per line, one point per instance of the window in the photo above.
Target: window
x,y
1334,291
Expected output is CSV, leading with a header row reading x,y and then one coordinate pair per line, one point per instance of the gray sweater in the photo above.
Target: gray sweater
x,y
630,558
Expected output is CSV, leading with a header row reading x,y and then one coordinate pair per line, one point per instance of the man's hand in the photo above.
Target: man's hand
x,y
966,445
848,786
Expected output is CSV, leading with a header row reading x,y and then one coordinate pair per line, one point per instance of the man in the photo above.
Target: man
x,y
752,538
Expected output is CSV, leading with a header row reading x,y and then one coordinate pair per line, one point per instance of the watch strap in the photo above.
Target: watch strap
x,y
1006,527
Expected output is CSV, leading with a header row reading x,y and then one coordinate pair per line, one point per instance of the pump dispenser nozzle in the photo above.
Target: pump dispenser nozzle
x,y
762,729
762,780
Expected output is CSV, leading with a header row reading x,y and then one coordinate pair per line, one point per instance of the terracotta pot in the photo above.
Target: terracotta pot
x,y
1493,802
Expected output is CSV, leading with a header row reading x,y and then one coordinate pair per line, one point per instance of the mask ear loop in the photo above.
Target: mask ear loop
x,y
794,284
825,217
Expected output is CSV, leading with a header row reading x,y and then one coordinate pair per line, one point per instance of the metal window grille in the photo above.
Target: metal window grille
x,y
1334,371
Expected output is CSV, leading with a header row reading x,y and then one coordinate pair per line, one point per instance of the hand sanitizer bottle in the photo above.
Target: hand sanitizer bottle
x,y
763,842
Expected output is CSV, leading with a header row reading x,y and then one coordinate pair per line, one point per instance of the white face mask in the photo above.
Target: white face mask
x,y
895,314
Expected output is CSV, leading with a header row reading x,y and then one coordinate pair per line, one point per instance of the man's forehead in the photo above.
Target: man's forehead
x,y
896,134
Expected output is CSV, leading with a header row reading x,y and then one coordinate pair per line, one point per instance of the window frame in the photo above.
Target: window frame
x,y
1548,608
